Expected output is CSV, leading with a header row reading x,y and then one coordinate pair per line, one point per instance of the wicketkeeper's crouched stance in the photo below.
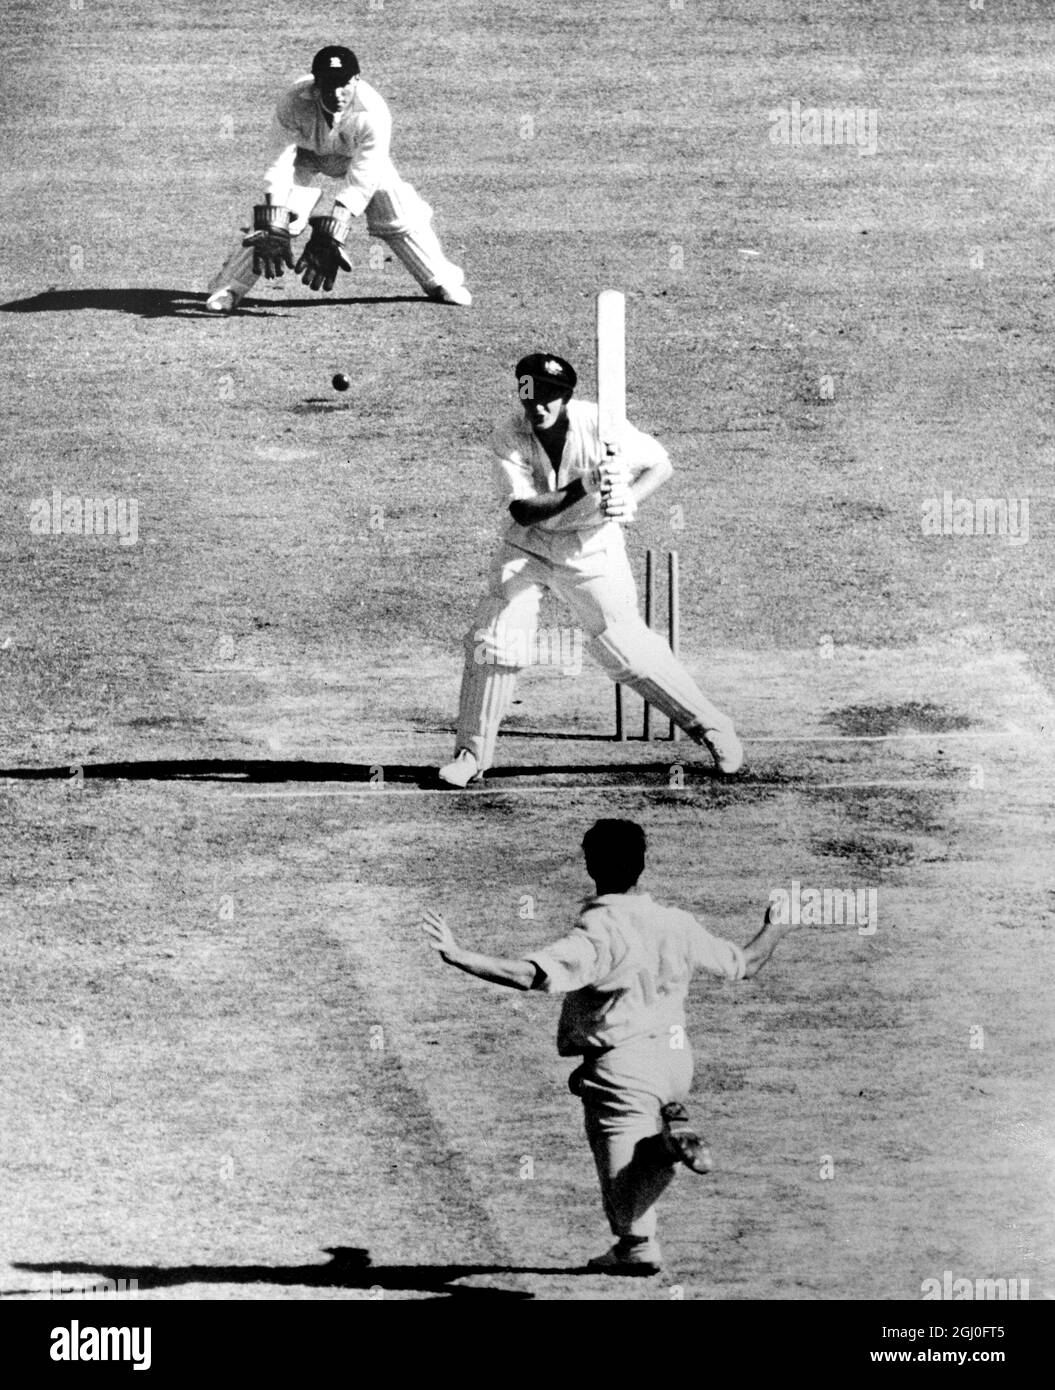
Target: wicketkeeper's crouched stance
x,y
333,124
569,499
624,971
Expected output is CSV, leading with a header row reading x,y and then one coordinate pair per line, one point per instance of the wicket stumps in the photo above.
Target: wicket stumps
x,y
673,634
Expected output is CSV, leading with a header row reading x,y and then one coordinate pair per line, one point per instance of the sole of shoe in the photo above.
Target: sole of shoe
x,y
683,1142
452,295
624,1269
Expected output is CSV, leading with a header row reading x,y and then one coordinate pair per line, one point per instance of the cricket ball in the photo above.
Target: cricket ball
x,y
341,382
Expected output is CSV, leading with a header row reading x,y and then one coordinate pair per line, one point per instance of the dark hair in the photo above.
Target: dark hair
x,y
615,852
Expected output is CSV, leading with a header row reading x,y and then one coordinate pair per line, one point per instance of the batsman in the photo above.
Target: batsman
x,y
333,125
571,475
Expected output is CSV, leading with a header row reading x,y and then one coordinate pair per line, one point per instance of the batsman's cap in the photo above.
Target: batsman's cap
x,y
548,367
335,66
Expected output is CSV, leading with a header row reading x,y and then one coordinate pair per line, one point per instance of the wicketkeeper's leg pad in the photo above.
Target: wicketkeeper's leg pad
x,y
236,274
400,217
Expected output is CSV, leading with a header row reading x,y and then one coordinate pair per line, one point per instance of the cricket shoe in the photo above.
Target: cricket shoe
x,y
451,294
633,1260
222,302
463,770
724,747
682,1141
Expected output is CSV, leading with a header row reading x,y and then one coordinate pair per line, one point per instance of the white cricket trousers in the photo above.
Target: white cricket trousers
x,y
622,1091
398,215
599,589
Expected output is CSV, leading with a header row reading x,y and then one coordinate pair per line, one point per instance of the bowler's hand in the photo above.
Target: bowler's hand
x,y
435,927
772,919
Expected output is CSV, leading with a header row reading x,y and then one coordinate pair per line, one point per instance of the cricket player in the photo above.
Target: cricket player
x,y
334,125
624,972
568,497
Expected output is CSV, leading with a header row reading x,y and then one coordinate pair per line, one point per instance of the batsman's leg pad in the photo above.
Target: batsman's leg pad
x,y
486,694
636,656
498,642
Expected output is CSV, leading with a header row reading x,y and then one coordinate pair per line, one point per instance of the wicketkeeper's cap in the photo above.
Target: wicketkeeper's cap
x,y
548,367
335,66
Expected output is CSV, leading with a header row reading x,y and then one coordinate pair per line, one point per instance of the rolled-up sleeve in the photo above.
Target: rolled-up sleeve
x,y
510,471
640,450
512,480
568,964
717,956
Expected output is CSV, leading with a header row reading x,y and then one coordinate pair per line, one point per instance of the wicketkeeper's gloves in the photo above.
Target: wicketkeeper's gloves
x,y
272,253
324,254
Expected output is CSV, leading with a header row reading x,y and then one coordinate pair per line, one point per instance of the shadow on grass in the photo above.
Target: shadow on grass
x,y
158,304
269,770
348,1268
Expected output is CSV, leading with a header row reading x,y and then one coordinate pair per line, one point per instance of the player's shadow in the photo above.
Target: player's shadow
x,y
146,303
348,1268
159,304
262,770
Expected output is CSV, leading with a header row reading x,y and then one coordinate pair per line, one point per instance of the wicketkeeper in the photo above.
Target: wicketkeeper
x,y
334,125
568,497
624,971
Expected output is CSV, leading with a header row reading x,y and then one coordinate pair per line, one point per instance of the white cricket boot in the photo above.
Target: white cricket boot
x,y
724,747
451,294
223,301
463,770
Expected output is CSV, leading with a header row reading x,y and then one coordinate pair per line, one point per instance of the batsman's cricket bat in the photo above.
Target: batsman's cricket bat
x,y
611,366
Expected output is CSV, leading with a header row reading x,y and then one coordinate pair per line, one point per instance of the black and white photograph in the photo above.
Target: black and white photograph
x,y
527,661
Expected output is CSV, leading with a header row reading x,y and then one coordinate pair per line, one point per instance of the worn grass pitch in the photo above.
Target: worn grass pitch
x,y
228,1053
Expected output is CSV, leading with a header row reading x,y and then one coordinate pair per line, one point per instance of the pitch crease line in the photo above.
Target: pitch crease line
x,y
580,788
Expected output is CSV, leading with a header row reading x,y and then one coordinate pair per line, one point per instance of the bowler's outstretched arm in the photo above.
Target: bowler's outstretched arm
x,y
498,970
760,948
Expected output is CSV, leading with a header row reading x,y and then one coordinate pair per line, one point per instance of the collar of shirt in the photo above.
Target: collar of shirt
x,y
611,899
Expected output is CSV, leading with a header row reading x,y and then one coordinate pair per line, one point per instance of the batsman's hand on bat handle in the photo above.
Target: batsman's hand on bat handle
x,y
619,504
613,472
272,250
324,254
435,927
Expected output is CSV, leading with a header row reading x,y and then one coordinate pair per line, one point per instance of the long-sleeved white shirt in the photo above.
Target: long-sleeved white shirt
x,y
354,149
521,468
